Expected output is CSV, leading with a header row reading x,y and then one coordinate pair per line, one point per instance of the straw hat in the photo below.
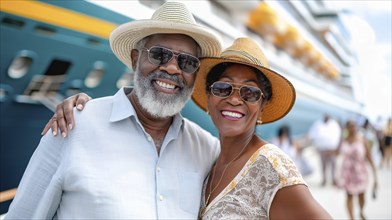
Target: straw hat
x,y
248,52
170,18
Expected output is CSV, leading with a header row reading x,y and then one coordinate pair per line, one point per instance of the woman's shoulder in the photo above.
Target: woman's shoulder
x,y
282,164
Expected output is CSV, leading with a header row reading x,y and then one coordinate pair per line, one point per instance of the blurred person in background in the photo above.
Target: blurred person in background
x,y
368,131
379,127
285,141
387,144
354,174
325,134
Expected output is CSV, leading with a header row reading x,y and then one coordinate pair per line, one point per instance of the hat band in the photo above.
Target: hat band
x,y
244,56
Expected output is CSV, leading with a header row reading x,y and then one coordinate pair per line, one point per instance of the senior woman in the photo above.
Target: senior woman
x,y
251,178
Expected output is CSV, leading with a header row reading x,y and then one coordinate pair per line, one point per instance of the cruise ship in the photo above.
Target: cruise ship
x,y
50,50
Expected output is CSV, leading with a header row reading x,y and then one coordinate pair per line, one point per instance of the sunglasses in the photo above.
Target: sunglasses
x,y
160,56
225,90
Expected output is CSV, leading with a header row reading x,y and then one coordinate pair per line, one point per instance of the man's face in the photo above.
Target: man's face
x,y
164,90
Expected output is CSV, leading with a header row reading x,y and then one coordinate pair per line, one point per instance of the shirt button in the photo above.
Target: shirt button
x,y
149,138
158,169
160,198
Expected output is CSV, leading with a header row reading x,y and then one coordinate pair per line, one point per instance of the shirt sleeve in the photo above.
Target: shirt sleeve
x,y
39,192
285,167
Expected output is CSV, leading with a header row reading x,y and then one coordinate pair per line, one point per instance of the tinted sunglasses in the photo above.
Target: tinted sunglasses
x,y
160,56
225,90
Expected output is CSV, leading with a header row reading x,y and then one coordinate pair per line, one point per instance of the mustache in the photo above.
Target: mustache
x,y
164,75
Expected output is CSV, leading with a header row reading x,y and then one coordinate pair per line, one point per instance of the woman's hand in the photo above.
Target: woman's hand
x,y
374,190
63,118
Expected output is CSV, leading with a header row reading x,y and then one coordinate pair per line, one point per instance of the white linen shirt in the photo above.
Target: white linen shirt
x,y
325,135
108,168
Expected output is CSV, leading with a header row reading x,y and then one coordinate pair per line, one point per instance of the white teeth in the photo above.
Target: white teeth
x,y
165,85
232,114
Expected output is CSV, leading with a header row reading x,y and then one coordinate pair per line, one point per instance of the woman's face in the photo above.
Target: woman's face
x,y
233,116
351,127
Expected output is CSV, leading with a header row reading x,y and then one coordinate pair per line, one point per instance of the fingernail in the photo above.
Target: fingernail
x,y
70,126
80,107
64,135
54,133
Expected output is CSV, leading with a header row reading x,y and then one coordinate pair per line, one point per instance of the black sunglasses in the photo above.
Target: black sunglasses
x,y
225,90
160,56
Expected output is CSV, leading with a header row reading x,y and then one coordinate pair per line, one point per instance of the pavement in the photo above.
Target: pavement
x,y
333,199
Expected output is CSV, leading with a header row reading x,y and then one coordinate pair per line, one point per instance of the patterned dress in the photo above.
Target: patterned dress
x,y
250,194
354,172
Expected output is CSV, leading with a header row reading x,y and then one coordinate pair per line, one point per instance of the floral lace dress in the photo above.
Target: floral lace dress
x,y
250,194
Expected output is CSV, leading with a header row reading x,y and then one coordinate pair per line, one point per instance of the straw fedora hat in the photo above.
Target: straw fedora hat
x,y
169,18
248,52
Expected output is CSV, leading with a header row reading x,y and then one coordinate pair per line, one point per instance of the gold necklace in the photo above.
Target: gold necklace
x,y
220,179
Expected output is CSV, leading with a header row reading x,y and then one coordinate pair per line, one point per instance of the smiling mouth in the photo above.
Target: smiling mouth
x,y
165,85
232,115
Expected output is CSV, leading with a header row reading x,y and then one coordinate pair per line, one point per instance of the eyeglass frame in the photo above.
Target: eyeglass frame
x,y
233,87
175,54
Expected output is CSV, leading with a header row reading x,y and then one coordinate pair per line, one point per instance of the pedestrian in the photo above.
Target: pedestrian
x,y
325,135
285,141
387,144
354,174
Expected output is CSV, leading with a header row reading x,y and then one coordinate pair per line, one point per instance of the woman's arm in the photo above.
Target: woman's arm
x,y
296,202
370,160
63,118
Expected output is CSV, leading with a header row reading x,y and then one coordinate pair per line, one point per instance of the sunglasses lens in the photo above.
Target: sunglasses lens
x,y
247,93
221,89
159,55
250,94
188,63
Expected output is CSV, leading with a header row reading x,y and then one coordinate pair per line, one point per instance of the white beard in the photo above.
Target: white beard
x,y
158,104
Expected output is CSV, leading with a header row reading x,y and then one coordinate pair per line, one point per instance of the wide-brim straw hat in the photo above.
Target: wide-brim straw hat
x,y
170,18
248,52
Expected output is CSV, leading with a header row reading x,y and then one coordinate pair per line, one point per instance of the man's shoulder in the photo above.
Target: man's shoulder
x,y
94,107
98,102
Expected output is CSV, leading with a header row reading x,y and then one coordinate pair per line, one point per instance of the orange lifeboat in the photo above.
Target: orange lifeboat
x,y
264,20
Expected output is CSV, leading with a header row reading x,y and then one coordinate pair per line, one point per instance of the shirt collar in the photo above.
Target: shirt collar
x,y
122,106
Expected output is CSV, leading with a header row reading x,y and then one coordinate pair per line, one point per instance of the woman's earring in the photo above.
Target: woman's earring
x,y
259,122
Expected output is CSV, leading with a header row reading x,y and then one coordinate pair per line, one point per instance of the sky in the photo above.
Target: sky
x,y
370,25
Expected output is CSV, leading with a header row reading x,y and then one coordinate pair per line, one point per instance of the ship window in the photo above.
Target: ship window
x,y
57,67
19,67
95,76
45,30
13,22
93,41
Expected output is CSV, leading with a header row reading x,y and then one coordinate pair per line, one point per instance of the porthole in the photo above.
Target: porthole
x,y
19,66
95,76
126,79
